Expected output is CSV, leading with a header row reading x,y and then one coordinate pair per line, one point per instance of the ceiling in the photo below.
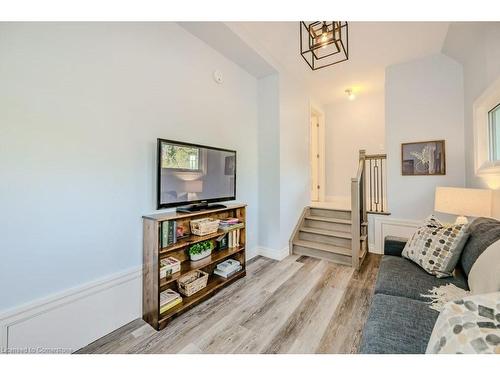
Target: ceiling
x,y
372,47
220,37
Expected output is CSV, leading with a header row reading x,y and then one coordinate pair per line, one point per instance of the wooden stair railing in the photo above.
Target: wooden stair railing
x,y
368,195
341,234
358,212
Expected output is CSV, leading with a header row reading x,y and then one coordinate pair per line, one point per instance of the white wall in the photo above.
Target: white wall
x,y
481,67
424,101
269,161
81,106
351,125
295,164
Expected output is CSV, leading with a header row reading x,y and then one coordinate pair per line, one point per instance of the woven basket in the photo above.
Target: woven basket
x,y
202,227
192,282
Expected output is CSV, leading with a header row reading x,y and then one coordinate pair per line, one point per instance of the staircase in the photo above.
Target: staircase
x,y
327,234
341,235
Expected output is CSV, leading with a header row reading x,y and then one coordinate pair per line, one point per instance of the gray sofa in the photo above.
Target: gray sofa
x,y
400,319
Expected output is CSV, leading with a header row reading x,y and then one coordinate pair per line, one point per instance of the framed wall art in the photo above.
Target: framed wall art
x,y
423,158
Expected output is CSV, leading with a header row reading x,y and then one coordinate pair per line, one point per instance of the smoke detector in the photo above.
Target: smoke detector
x,y
218,77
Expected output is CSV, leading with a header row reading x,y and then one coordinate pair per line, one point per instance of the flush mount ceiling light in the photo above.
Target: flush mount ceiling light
x,y
324,43
350,94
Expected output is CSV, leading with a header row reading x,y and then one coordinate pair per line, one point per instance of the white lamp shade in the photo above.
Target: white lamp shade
x,y
463,202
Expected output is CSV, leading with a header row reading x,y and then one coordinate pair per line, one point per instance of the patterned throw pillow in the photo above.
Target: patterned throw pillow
x,y
436,247
468,325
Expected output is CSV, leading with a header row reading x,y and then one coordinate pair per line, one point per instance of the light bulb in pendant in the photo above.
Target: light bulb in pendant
x,y
324,35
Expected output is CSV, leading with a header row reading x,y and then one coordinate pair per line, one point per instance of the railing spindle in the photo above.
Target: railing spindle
x,y
371,194
381,186
376,181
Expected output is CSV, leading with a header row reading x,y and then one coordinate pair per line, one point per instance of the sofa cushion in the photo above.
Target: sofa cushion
x,y
482,233
400,277
484,276
437,247
394,245
397,325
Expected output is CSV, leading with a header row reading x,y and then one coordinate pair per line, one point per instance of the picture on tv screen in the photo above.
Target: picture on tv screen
x,y
189,173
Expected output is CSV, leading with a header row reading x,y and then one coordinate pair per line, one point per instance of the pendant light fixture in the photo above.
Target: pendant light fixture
x,y
324,43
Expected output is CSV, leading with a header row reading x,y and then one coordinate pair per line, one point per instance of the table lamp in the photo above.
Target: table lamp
x,y
463,202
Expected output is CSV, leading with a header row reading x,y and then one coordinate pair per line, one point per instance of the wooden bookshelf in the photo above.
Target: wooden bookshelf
x,y
153,252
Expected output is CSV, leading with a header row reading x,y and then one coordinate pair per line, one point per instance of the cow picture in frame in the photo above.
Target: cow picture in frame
x,y
423,158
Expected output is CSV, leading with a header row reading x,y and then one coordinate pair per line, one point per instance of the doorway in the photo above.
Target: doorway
x,y
317,154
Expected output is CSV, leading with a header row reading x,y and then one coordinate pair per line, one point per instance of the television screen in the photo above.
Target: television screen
x,y
189,173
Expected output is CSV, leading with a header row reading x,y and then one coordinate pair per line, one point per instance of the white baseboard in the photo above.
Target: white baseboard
x,y
389,226
372,249
67,321
252,253
274,253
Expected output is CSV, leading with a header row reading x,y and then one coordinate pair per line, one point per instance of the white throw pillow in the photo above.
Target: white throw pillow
x,y
469,325
484,276
437,247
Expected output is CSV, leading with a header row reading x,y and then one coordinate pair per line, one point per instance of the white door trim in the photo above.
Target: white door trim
x,y
315,111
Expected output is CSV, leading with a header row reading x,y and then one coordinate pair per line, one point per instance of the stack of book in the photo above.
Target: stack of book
x,y
168,233
168,299
229,224
169,266
232,226
228,268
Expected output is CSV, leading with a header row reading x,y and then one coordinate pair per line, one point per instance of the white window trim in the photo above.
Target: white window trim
x,y
488,100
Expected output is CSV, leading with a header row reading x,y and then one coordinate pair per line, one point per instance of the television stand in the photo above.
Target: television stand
x,y
203,206
154,283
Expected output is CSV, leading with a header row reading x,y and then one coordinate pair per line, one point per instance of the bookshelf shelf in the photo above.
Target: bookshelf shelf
x,y
153,253
186,266
188,241
215,284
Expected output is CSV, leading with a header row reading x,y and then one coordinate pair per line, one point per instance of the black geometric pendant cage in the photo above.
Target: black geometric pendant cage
x,y
324,43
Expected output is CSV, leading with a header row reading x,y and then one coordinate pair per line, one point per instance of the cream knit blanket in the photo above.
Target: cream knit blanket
x,y
440,295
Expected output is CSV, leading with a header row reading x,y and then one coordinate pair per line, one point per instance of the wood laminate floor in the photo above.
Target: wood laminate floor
x,y
297,305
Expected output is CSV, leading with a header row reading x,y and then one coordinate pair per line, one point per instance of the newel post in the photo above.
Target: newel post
x,y
362,154
355,223
362,185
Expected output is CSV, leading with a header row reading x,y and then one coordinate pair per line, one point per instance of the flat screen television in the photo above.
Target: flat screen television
x,y
191,174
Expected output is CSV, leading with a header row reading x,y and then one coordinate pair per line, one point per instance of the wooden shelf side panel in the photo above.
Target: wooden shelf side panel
x,y
150,273
241,215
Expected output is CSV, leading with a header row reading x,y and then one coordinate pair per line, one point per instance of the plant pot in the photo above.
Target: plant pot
x,y
203,254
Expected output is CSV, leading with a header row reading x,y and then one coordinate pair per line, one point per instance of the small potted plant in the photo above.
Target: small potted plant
x,y
200,250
